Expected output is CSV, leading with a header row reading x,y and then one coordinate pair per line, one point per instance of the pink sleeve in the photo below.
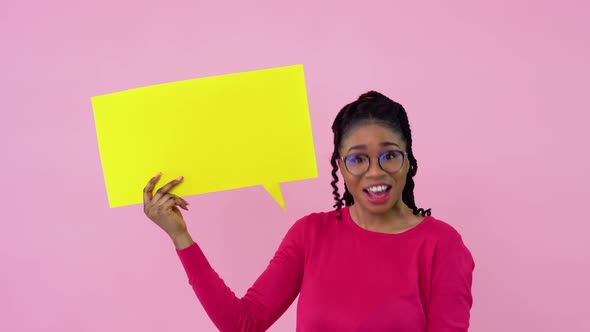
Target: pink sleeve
x,y
269,297
450,297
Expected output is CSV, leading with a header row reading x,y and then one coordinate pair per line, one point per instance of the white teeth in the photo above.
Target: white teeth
x,y
377,189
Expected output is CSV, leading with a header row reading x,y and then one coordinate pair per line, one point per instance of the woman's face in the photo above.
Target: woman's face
x,y
377,191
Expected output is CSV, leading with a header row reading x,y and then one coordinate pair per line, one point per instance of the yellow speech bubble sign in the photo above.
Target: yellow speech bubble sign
x,y
220,133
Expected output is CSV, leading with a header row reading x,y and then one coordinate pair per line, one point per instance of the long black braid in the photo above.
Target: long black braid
x,y
373,107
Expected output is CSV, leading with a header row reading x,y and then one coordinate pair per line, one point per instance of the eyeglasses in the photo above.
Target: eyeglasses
x,y
390,161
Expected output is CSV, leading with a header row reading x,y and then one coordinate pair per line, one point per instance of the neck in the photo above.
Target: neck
x,y
398,219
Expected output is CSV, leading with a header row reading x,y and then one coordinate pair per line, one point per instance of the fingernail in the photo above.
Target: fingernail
x,y
179,178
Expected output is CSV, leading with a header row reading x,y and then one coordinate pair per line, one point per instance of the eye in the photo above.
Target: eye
x,y
391,155
356,159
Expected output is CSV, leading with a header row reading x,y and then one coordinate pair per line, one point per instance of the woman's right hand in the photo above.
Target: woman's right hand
x,y
162,209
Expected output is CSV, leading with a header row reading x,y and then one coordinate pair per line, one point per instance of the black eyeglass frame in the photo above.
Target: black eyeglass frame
x,y
379,158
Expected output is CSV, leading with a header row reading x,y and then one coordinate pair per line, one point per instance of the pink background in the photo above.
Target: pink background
x,y
495,94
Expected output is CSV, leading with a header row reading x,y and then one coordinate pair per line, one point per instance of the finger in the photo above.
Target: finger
x,y
176,210
170,203
166,188
166,201
149,188
180,202
157,207
162,200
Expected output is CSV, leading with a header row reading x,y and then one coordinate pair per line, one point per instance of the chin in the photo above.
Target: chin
x,y
377,208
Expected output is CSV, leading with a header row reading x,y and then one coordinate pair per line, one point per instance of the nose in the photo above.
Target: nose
x,y
375,169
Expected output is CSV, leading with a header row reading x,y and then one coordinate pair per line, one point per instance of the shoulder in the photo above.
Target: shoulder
x,y
448,241
310,228
442,232
316,222
321,217
318,218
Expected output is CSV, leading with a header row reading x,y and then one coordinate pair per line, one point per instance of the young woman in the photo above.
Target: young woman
x,y
374,263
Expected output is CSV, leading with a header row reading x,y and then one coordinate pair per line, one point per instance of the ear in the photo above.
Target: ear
x,y
341,167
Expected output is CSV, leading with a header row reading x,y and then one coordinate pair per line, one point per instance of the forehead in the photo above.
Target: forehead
x,y
371,135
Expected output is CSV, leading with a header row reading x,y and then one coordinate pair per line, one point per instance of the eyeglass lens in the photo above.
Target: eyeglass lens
x,y
390,161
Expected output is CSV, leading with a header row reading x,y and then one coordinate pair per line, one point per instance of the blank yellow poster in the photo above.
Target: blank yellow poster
x,y
220,133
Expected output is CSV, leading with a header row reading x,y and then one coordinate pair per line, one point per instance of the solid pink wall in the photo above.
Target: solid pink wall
x,y
494,91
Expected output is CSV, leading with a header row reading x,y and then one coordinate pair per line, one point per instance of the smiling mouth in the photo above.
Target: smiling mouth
x,y
379,194
377,190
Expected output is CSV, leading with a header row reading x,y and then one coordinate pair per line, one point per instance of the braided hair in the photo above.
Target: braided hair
x,y
373,107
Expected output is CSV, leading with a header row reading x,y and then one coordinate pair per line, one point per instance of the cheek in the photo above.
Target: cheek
x,y
342,172
402,176
348,180
400,179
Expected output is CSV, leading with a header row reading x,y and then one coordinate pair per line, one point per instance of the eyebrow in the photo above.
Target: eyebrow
x,y
363,146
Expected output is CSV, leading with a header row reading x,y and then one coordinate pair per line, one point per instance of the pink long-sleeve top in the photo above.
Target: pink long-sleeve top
x,y
348,279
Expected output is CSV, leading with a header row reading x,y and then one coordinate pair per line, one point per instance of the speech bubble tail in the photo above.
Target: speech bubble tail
x,y
274,189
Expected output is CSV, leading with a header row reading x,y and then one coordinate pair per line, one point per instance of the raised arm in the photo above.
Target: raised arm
x,y
269,297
